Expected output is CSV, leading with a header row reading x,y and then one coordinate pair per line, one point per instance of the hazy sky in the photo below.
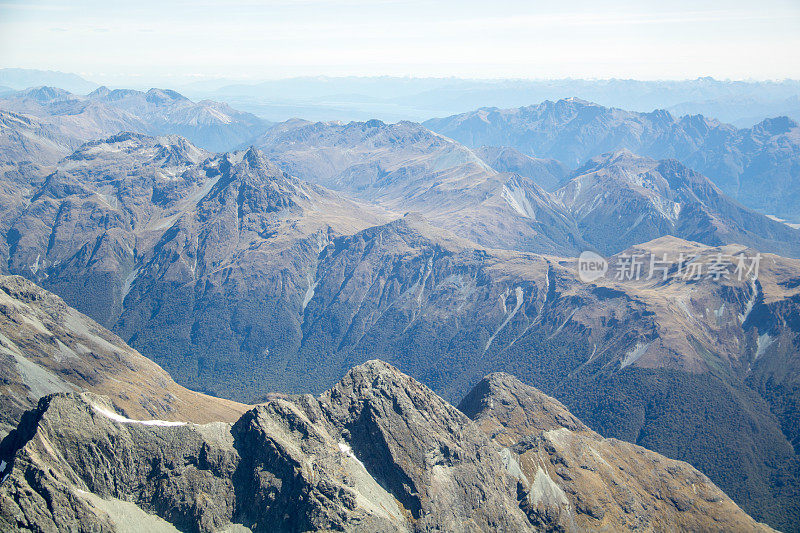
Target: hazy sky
x,y
112,42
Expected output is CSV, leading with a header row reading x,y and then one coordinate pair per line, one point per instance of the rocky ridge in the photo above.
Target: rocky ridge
x,y
377,452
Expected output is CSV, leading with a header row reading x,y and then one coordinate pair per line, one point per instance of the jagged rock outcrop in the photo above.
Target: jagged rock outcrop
x,y
378,452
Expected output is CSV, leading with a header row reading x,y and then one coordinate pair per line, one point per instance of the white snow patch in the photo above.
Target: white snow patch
x,y
719,312
125,420
2,468
635,354
348,451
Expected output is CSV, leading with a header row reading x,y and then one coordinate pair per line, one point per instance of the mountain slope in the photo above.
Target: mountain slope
x,y
24,138
577,480
103,112
377,452
548,173
138,232
404,167
620,200
757,166
48,347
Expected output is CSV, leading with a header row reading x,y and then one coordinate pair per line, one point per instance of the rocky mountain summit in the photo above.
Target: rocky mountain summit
x,y
377,452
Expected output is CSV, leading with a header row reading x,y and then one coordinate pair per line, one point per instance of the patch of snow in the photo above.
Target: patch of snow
x,y
790,224
719,312
2,469
635,354
348,451
125,420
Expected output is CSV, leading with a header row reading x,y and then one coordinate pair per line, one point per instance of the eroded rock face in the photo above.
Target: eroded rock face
x,y
377,452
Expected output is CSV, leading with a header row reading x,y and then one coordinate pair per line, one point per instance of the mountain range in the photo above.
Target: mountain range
x,y
379,451
757,165
239,279
272,270
105,112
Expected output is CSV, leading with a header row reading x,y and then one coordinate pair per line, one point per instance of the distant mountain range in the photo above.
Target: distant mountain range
x,y
323,98
103,112
23,78
757,166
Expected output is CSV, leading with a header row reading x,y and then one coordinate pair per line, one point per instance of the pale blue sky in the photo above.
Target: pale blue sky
x,y
247,39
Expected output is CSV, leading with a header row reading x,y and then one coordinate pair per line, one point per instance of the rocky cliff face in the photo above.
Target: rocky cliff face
x,y
377,452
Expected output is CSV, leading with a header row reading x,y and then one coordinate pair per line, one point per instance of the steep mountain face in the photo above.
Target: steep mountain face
x,y
103,112
377,452
547,173
757,166
405,167
81,232
47,347
621,199
240,279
